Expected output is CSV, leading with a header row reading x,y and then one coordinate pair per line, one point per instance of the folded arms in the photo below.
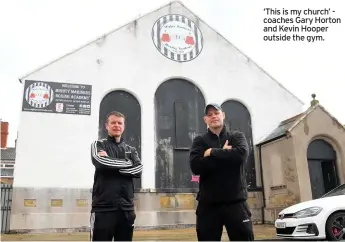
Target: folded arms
x,y
128,167
235,155
136,169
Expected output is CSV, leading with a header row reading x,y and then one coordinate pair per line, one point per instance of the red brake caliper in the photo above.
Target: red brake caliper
x,y
335,231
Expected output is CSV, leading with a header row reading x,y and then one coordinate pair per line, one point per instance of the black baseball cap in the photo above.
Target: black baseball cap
x,y
213,105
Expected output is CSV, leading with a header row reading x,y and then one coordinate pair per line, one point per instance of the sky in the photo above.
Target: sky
x,y
35,32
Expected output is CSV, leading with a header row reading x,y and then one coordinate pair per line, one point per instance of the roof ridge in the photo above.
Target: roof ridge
x,y
276,133
309,111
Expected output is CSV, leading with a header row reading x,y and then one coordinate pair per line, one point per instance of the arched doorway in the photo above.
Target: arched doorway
x,y
322,167
179,111
237,117
127,104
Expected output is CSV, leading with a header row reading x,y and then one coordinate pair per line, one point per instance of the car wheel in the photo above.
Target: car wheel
x,y
335,226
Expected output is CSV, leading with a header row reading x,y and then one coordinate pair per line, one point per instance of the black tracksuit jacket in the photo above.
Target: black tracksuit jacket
x,y
113,187
222,174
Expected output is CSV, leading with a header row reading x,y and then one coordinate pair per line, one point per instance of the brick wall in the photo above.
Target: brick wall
x,y
4,134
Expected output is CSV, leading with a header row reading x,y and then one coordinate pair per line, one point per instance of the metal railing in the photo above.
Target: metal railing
x,y
6,203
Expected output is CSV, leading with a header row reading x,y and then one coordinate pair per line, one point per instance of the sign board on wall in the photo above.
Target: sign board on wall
x,y
177,37
57,97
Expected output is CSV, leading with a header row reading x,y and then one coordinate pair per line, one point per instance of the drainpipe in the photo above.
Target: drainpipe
x,y
263,187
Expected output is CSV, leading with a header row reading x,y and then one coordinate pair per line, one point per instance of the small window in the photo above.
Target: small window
x,y
7,172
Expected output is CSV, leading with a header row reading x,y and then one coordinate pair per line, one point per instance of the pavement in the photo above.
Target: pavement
x,y
261,232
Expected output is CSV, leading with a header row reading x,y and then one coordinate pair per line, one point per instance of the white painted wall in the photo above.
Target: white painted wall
x,y
54,149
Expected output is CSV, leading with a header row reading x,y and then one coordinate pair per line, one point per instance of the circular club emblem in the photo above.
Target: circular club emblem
x,y
177,38
39,95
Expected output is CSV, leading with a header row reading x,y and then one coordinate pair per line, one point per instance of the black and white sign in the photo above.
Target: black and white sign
x,y
56,97
177,38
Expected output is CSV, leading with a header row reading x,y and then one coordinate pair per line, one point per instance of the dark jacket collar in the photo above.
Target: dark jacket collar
x,y
112,139
222,132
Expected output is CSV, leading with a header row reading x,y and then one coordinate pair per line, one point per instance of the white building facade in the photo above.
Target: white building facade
x,y
160,71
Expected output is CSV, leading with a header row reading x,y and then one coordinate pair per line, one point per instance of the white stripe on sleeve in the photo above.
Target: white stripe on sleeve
x,y
108,161
133,171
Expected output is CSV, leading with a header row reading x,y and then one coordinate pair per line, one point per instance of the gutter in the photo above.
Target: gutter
x,y
271,140
261,172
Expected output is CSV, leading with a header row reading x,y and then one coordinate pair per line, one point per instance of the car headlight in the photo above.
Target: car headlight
x,y
308,212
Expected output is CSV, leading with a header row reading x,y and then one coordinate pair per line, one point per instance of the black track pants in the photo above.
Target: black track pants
x,y
235,217
117,225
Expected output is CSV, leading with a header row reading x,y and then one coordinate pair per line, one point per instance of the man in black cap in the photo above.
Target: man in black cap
x,y
219,157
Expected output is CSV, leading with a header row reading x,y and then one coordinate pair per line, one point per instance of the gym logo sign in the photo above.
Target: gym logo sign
x,y
177,38
39,95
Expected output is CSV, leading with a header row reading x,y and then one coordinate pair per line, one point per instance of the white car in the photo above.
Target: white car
x,y
322,218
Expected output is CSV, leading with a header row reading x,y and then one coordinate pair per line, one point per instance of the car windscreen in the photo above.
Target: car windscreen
x,y
340,190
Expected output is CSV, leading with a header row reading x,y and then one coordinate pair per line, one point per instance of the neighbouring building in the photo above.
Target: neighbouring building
x,y
302,159
7,156
159,70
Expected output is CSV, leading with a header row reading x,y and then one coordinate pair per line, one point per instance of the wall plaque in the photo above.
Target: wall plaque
x,y
30,203
56,202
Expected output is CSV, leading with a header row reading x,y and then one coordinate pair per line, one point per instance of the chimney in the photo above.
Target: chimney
x,y
4,134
